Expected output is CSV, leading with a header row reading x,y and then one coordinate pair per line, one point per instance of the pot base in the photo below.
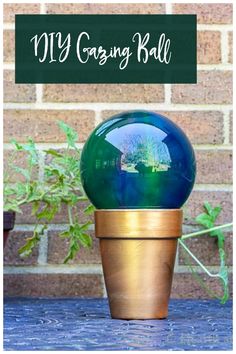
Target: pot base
x,y
138,276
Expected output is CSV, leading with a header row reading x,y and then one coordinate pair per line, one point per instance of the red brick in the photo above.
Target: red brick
x,y
17,92
208,47
206,250
214,166
201,127
139,93
53,285
194,205
207,13
105,8
185,286
8,46
58,248
10,10
42,126
212,87
17,239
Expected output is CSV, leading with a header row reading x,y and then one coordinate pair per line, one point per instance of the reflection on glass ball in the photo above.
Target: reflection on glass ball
x,y
138,160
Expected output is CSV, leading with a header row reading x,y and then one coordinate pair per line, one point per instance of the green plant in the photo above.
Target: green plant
x,y
208,220
59,187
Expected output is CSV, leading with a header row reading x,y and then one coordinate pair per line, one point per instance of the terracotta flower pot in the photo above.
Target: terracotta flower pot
x,y
138,249
8,224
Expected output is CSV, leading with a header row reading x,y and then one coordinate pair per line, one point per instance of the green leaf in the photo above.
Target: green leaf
x,y
65,234
48,211
205,220
12,207
208,207
71,135
35,207
9,190
53,152
85,240
33,153
90,209
21,189
73,250
32,242
18,146
85,226
215,212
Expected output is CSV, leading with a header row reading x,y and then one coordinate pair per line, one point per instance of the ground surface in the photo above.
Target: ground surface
x,y
85,324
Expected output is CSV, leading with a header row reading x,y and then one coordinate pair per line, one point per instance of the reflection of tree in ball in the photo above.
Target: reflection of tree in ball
x,y
137,159
145,153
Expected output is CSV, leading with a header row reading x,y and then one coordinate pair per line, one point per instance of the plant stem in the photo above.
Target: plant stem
x,y
202,232
70,214
196,260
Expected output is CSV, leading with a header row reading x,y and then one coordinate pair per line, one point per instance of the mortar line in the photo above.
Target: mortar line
x,y
39,93
41,164
98,118
9,66
54,268
104,290
43,249
9,26
93,106
213,187
226,125
43,146
39,87
168,8
200,27
43,243
167,88
214,67
84,269
176,265
50,227
213,269
224,47
42,8
214,27
59,227
212,147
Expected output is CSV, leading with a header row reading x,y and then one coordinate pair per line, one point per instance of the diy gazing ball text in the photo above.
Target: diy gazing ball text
x,y
93,49
55,47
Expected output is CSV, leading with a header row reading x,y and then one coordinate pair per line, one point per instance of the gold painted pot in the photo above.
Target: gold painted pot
x,y
138,249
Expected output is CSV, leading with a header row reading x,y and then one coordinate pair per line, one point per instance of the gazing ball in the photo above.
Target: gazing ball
x,y
138,160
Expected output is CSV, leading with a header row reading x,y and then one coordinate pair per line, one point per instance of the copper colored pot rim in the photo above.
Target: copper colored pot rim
x,y
138,223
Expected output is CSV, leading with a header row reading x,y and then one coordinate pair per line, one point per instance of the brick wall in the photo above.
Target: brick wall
x,y
203,111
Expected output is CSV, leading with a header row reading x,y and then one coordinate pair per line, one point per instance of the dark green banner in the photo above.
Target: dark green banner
x,y
105,49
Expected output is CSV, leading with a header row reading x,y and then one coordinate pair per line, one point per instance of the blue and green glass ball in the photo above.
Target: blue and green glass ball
x,y
138,160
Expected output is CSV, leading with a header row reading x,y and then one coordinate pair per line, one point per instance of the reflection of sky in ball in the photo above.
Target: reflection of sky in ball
x,y
137,160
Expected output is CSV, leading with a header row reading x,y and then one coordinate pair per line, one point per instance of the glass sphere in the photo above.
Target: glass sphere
x,y
138,160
